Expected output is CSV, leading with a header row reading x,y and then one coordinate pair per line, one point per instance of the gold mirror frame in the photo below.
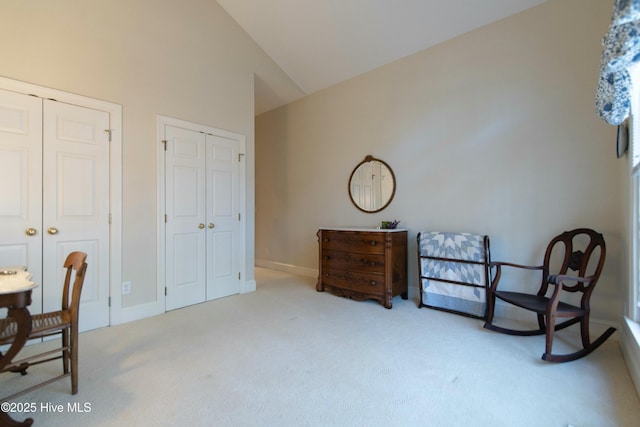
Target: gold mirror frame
x,y
373,194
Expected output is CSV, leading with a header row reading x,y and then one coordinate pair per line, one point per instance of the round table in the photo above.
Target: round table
x,y
15,295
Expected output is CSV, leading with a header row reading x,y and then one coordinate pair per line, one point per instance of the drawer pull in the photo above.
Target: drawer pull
x,y
373,283
373,243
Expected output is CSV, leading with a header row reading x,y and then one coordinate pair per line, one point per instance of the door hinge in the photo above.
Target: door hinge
x,y
109,301
164,143
238,275
238,216
108,131
240,156
165,218
109,219
165,291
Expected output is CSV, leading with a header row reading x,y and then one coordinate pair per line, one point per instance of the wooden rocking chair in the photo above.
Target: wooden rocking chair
x,y
550,308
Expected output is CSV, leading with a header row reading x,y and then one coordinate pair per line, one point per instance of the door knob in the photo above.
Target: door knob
x,y
31,231
201,226
52,230
211,225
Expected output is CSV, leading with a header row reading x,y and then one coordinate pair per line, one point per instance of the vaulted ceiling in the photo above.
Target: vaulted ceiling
x,y
319,43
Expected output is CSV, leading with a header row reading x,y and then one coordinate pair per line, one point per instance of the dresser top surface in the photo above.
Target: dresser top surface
x,y
365,229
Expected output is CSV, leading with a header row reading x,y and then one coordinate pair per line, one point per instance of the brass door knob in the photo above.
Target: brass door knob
x,y
52,230
211,225
31,231
201,226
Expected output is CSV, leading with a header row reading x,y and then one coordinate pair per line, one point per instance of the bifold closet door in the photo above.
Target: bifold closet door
x,y
223,222
76,205
185,257
21,186
54,170
202,223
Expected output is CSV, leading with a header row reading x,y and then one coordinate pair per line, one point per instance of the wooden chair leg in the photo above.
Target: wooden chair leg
x,y
551,327
65,353
584,331
541,322
491,302
587,345
74,360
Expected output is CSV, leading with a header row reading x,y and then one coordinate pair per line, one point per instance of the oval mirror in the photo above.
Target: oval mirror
x,y
372,185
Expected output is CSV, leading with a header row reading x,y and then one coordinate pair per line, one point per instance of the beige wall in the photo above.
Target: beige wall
x,y
492,132
184,59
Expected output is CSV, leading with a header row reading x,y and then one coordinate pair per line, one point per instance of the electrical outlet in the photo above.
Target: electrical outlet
x,y
126,288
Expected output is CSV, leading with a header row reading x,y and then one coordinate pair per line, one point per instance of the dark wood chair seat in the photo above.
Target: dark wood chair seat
x,y
538,303
7,328
583,252
42,325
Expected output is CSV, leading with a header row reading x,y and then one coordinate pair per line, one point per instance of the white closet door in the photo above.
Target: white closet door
x,y
185,201
21,186
76,205
223,233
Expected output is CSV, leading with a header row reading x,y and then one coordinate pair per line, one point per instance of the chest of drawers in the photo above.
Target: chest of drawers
x,y
363,263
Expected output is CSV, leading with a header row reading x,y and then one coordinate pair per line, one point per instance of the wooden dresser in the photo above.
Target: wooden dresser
x,y
363,263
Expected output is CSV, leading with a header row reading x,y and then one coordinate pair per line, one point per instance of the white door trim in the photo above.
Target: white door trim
x,y
115,174
242,184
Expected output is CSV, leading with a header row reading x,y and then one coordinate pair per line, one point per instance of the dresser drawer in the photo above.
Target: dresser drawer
x,y
354,281
353,241
353,261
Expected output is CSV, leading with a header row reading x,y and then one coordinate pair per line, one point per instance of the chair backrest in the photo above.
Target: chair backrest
x,y
75,263
584,254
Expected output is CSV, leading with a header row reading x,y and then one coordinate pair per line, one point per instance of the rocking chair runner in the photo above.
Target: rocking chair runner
x,y
550,308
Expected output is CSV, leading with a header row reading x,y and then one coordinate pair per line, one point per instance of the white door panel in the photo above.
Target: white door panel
x,y
222,212
21,186
362,188
187,272
185,217
76,204
202,223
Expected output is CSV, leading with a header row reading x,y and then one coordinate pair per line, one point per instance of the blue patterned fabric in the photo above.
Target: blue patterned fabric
x,y
464,246
621,50
436,274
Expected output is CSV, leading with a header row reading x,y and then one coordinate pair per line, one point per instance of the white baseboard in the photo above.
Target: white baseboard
x,y
138,312
630,346
142,311
248,286
287,268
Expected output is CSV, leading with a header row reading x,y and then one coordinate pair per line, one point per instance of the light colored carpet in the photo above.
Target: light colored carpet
x,y
287,355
